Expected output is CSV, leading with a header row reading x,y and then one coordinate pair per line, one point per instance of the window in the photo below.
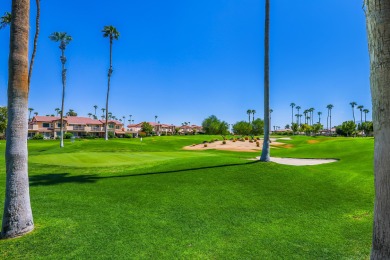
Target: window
x,y
46,124
110,126
58,124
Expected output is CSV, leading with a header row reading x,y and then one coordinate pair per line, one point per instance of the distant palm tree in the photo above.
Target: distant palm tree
x,y
89,115
109,115
35,113
311,110
330,107
253,115
319,117
366,111
103,109
30,110
297,116
5,20
265,153
361,113
249,112
155,118
57,110
130,117
95,107
112,33
35,44
292,105
305,113
353,104
64,40
298,108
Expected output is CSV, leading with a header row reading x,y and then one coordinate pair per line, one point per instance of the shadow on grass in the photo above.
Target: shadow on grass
x,y
60,178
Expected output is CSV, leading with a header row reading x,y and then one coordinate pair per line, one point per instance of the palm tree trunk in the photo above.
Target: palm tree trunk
x,y
108,89
265,153
330,120
353,115
17,217
63,98
378,30
34,52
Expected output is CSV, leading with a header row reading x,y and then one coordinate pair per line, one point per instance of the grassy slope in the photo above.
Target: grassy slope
x,y
152,200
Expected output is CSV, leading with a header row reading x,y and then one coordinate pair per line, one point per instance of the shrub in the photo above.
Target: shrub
x,y
142,134
258,144
205,145
246,138
128,136
223,142
111,134
68,135
205,142
38,137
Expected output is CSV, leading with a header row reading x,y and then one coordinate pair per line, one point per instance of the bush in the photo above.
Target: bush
x,y
128,136
223,142
205,145
142,134
38,137
68,135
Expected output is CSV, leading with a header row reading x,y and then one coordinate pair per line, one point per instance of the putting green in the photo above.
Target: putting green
x,y
101,159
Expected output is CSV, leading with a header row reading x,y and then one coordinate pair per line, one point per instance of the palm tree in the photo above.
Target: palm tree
x,y
112,33
378,28
57,110
361,113
330,107
64,40
366,111
253,115
319,117
89,115
311,110
305,113
30,109
5,20
95,107
298,108
17,216
109,115
292,105
265,152
103,109
353,104
130,117
35,44
35,113
249,112
297,116
155,118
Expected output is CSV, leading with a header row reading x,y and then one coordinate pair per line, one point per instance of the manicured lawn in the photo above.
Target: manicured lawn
x,y
130,199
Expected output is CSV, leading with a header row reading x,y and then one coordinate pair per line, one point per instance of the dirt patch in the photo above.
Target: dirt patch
x,y
312,142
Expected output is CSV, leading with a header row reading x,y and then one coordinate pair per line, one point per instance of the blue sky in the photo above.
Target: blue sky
x,y
186,60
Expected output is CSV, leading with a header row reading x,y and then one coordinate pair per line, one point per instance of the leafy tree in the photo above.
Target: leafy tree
x,y
242,128
147,128
306,129
17,216
112,33
348,127
64,40
294,127
71,112
316,128
258,127
3,119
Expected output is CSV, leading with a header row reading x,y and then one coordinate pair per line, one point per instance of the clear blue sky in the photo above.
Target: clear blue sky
x,y
186,60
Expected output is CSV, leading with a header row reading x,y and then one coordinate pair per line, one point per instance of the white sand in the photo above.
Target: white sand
x,y
299,162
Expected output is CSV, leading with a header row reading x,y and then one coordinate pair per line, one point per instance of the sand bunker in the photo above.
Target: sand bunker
x,y
300,162
238,146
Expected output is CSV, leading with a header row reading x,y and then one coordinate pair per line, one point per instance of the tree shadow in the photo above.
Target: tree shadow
x,y
60,178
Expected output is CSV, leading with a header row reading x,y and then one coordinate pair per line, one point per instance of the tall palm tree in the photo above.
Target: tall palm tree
x,y
249,112
103,109
305,114
265,152
297,116
57,110
5,20
155,118
292,105
130,117
253,115
89,115
378,31
319,117
95,107
35,44
64,39
353,104
361,113
17,216
35,113
30,109
109,115
112,33
366,111
298,108
330,107
311,110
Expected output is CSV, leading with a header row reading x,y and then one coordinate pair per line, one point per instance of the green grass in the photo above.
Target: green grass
x,y
131,199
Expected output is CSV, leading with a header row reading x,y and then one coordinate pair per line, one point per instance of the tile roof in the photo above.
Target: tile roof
x,y
45,118
78,120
